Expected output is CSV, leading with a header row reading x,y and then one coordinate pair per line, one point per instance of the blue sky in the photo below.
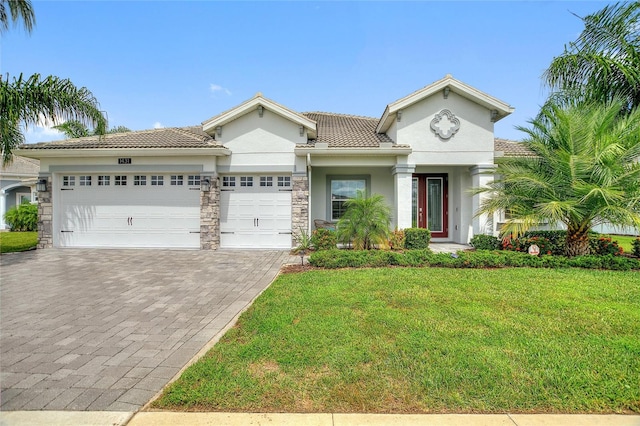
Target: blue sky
x,y
165,63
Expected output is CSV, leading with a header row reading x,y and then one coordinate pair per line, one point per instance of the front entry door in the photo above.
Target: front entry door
x,y
430,201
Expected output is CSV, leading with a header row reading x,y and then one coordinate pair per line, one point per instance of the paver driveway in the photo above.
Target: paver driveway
x,y
107,329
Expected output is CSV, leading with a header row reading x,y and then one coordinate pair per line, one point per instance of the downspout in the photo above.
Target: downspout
x,y
309,194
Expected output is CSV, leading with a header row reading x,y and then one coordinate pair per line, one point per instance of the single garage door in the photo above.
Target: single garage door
x,y
133,210
255,212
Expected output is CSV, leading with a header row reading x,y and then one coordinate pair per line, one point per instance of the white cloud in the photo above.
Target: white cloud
x,y
42,132
215,88
158,125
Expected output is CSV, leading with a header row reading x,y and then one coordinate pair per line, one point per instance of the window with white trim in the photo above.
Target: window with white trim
x,y
139,180
104,180
266,180
157,180
342,190
85,180
246,180
177,180
194,180
228,181
120,180
284,181
68,181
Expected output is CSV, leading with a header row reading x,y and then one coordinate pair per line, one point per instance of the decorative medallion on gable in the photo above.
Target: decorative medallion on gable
x,y
445,124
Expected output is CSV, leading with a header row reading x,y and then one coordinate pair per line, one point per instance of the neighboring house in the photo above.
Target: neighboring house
x,y
253,176
17,184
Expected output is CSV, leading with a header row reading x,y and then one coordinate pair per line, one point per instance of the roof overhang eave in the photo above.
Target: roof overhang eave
x,y
301,151
121,152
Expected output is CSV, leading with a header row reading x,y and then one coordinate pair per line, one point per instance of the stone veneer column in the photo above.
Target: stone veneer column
x,y
45,216
210,217
299,204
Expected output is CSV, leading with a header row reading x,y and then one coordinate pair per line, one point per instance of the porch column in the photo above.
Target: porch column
x,y
3,208
480,176
402,179
45,215
210,216
299,204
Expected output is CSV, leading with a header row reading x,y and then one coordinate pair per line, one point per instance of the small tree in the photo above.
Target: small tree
x,y
365,222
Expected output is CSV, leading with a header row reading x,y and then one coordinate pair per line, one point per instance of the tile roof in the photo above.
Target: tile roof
x,y
170,137
512,148
347,131
21,166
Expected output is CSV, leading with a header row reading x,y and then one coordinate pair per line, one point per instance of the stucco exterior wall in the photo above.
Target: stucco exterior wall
x,y
260,143
472,144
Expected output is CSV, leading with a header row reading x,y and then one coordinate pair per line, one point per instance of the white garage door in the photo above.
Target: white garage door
x,y
255,212
152,210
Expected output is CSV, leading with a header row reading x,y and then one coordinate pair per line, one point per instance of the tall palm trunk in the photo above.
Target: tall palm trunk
x,y
577,242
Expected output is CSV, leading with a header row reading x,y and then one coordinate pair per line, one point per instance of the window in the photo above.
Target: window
x,y
342,190
120,181
177,180
284,181
157,180
266,180
246,180
228,181
194,180
68,181
104,180
139,180
85,180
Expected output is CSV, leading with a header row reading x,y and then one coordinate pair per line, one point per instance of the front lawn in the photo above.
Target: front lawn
x,y
624,241
17,241
417,340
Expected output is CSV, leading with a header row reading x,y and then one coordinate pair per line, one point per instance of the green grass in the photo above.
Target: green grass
x,y
417,340
624,241
17,241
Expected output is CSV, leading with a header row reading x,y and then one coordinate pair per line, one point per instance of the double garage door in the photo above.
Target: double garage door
x,y
150,210
163,211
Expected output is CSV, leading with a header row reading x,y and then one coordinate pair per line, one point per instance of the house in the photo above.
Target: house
x,y
17,184
253,176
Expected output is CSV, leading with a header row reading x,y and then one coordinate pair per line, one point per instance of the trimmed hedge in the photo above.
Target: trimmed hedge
x,y
332,259
416,238
636,247
485,242
324,239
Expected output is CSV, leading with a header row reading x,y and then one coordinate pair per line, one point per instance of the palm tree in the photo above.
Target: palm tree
x,y
76,129
585,171
365,222
20,11
603,64
32,100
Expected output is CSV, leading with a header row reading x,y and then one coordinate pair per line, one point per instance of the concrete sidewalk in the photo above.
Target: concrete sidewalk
x,y
101,418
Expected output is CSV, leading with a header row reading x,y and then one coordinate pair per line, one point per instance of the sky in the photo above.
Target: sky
x,y
177,63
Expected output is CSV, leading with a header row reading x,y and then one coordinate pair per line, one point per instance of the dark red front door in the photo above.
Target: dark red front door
x,y
431,200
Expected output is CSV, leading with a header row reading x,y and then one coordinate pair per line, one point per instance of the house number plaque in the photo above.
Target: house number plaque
x,y
124,160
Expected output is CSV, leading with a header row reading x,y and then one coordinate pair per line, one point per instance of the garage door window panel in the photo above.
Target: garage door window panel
x,y
266,181
120,180
284,181
246,180
139,181
157,180
85,180
177,180
68,181
194,180
104,180
228,181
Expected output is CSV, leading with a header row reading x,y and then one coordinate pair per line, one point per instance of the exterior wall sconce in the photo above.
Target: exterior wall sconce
x,y
301,128
205,184
260,110
41,185
399,116
494,115
219,131
445,92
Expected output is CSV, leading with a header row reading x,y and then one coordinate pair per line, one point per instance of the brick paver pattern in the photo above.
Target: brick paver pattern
x,y
107,329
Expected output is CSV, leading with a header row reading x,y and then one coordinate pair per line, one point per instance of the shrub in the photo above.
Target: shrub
x,y
23,217
324,239
416,238
485,242
365,222
476,259
604,246
636,247
523,243
396,240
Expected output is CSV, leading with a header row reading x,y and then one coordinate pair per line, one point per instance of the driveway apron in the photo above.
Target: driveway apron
x,y
107,329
